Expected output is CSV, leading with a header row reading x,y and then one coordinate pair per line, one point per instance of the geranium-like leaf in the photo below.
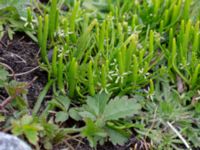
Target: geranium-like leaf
x,y
97,103
61,116
32,136
121,108
116,137
74,114
28,127
13,5
64,100
27,119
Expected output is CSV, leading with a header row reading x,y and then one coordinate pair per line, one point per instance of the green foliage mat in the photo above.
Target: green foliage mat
x,y
115,68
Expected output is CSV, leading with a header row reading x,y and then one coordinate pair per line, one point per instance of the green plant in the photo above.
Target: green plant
x,y
106,119
3,77
17,16
27,126
62,103
111,54
16,90
42,37
114,67
41,97
186,64
112,45
165,108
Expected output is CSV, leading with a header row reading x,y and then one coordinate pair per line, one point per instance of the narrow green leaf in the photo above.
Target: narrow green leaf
x,y
73,68
54,61
44,39
60,74
135,70
52,16
41,97
91,79
195,76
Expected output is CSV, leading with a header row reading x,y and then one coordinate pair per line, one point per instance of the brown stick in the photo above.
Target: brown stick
x,y
17,93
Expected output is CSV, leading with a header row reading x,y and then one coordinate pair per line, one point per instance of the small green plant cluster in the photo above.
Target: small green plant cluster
x,y
118,68
118,52
16,16
15,90
105,119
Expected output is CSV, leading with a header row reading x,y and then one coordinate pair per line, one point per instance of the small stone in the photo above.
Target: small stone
x,y
10,142
50,54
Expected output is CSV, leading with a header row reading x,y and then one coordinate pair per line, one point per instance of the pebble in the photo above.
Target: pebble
x,y
10,142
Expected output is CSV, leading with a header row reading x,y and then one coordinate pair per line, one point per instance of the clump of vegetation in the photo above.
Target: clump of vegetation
x,y
118,68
